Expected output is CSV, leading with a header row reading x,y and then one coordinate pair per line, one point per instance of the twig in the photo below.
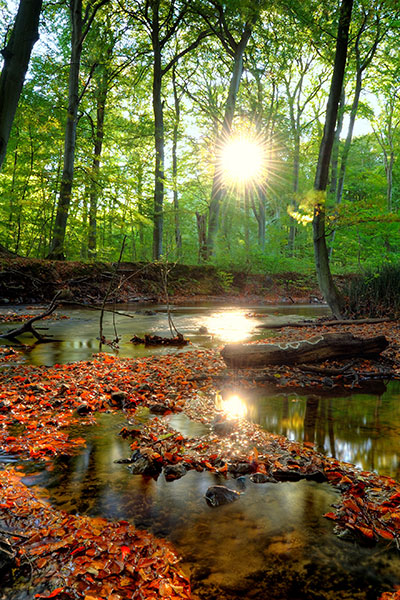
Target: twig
x,y
27,326
109,290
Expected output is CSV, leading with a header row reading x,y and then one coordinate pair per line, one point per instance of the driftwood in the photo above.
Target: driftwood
x,y
318,323
27,327
317,348
157,340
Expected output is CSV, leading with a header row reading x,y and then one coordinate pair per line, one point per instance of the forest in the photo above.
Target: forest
x,y
192,131
199,300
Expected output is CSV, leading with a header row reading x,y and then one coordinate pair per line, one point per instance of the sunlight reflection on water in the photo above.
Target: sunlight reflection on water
x,y
231,326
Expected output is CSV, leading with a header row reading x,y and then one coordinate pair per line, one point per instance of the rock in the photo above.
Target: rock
x,y
83,409
282,475
172,472
240,468
143,464
158,408
118,398
216,495
261,478
145,387
318,476
241,483
203,329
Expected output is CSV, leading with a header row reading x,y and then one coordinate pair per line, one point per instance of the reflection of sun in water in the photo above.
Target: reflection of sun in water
x,y
242,160
233,406
231,326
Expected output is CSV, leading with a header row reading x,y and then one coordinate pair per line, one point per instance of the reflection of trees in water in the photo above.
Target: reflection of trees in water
x,y
360,428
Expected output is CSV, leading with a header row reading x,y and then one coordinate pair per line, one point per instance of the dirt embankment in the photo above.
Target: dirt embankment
x,y
31,280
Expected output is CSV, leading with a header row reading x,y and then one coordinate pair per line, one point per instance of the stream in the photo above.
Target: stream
x,y
273,543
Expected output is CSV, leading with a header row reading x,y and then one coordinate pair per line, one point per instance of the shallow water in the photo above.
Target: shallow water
x,y
76,338
272,543
355,427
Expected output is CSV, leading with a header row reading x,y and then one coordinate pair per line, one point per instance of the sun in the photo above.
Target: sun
x,y
242,160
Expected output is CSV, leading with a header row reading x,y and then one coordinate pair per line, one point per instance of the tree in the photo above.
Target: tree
x,y
162,20
16,55
235,49
324,275
80,26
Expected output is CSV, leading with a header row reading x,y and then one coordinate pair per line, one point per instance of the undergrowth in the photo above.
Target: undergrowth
x,y
375,294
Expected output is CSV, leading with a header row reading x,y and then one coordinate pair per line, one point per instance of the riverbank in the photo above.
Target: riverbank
x,y
29,281
39,405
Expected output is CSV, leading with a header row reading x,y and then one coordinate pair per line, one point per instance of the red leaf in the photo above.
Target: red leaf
x,y
52,594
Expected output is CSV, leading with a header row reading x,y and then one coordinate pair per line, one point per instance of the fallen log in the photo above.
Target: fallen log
x,y
317,348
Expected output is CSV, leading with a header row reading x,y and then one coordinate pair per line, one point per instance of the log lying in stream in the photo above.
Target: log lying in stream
x,y
317,348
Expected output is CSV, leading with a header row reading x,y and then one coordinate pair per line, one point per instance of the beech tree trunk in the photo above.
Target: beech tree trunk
x,y
318,348
324,275
16,55
64,200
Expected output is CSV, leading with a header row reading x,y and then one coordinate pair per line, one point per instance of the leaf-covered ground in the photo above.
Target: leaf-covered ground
x,y
80,557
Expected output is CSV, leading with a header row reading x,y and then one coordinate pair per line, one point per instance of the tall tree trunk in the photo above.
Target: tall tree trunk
x,y
16,55
94,186
336,143
324,275
259,213
64,200
178,236
295,188
349,137
389,161
158,137
202,235
217,192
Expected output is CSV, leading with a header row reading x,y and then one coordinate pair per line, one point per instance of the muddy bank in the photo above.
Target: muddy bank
x,y
31,281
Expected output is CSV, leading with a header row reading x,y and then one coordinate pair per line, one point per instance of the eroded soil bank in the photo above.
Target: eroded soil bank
x,y
72,557
30,281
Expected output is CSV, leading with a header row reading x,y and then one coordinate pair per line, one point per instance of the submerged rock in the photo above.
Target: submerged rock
x,y
144,464
172,472
216,495
261,478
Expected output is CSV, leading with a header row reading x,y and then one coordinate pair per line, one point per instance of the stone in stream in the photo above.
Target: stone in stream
x,y
143,464
261,478
216,495
172,472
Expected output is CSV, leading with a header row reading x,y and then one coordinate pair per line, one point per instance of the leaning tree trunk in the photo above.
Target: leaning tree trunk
x,y
16,55
217,192
64,200
324,275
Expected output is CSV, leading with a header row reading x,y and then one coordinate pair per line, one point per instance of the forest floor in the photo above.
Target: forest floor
x,y
68,557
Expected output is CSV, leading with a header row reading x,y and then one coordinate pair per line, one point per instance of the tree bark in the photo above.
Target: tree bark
x,y
318,348
64,200
98,146
324,275
178,235
158,217
16,55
